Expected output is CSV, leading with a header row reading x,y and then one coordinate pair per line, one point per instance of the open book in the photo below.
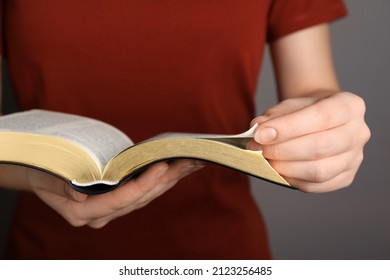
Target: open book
x,y
95,157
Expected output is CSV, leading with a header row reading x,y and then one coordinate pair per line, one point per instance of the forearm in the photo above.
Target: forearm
x,y
303,64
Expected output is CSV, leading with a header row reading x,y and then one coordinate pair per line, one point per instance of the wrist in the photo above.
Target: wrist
x,y
317,94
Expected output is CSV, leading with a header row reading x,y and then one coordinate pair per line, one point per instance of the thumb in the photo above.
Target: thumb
x,y
40,181
73,194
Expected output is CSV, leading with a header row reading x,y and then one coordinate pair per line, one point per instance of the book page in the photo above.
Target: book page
x,y
239,140
101,140
247,134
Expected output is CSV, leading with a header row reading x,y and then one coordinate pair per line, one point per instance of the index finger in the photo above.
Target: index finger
x,y
320,116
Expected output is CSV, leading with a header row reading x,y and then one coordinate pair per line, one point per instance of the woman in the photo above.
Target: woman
x,y
176,66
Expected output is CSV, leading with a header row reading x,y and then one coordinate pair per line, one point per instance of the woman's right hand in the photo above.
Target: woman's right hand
x,y
98,210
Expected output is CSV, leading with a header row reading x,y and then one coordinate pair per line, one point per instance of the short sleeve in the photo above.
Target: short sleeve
x,y
1,28
288,16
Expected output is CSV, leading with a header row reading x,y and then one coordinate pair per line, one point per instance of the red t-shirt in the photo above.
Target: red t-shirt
x,y
148,68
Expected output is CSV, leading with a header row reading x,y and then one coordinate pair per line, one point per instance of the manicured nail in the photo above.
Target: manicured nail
x,y
191,168
261,119
258,120
71,192
266,135
161,172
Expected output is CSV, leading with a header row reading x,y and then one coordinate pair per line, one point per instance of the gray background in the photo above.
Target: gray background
x,y
353,223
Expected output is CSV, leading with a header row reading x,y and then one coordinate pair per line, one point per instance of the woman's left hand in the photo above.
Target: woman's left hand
x,y
315,143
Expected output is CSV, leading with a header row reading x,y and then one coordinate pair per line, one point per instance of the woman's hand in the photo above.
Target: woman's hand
x,y
315,143
97,210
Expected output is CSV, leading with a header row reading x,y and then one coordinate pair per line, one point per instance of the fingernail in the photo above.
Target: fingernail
x,y
266,135
258,120
191,168
161,172
71,193
261,119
